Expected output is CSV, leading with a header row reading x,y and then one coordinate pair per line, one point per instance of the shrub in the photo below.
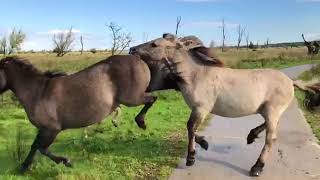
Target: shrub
x,y
93,50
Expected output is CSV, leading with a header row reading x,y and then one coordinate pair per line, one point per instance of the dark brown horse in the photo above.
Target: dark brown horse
x,y
55,102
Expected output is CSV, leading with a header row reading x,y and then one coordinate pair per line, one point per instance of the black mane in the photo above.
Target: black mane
x,y
25,64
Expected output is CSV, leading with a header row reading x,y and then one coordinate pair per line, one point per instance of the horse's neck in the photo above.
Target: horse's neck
x,y
187,68
27,87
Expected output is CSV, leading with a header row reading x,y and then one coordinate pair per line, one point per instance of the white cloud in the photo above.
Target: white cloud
x,y
210,24
43,40
307,1
58,31
312,36
203,1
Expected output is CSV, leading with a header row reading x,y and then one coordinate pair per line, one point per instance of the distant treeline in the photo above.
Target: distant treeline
x,y
276,45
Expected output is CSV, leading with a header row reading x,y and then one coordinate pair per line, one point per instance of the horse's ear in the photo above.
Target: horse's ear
x,y
206,56
169,37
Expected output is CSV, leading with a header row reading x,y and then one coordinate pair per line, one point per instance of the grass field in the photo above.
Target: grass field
x,y
116,153
313,118
126,152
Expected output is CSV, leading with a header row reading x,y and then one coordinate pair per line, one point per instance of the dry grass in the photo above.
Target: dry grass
x,y
234,57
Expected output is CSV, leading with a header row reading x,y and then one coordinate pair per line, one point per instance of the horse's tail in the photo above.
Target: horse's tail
x,y
299,84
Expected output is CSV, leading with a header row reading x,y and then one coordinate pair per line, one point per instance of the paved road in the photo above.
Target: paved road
x,y
295,156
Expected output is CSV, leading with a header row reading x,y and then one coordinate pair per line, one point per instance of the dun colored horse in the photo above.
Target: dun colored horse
x,y
55,102
208,87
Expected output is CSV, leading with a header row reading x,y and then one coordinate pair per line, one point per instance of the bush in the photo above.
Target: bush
x,y
93,50
251,46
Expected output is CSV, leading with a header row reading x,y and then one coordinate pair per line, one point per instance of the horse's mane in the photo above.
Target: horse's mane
x,y
206,56
25,64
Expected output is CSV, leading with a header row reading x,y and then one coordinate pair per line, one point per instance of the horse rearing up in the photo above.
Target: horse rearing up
x,y
55,102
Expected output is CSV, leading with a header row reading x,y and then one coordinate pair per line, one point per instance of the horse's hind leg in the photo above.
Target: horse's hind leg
x,y
271,122
255,132
46,139
148,100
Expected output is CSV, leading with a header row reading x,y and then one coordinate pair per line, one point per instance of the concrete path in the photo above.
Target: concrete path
x,y
295,156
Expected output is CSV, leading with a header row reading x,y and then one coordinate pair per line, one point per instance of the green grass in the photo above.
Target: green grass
x,y
275,63
313,118
311,74
116,153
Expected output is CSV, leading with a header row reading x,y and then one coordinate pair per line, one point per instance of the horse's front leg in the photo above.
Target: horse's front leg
x,y
46,139
196,117
148,100
28,161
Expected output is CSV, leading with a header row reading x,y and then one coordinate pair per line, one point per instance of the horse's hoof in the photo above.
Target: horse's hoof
x,y
140,122
67,163
251,137
204,144
23,169
190,162
257,169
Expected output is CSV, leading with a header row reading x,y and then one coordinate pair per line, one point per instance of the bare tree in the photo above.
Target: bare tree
x,y
267,44
62,42
3,46
120,39
178,24
81,42
247,40
211,44
316,47
223,35
145,37
241,32
313,48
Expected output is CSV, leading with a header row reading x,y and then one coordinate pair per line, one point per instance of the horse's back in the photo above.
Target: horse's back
x,y
130,76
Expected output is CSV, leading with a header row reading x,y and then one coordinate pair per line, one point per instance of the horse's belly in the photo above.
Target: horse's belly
x,y
84,118
236,107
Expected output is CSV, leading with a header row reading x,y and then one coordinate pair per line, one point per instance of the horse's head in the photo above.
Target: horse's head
x,y
154,53
3,77
169,51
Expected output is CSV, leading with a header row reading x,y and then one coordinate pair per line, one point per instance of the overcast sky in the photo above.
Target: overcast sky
x,y
279,20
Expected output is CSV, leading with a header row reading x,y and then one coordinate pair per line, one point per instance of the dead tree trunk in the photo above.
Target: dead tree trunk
x,y
240,35
308,45
247,39
178,24
81,41
316,47
223,35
